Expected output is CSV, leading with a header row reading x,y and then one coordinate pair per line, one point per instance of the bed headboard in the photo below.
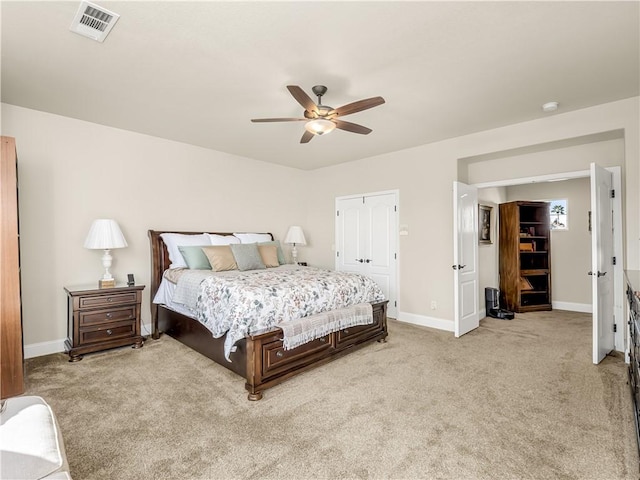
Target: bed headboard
x,y
160,262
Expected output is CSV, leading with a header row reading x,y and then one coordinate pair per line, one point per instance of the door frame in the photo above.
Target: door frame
x,y
619,298
395,232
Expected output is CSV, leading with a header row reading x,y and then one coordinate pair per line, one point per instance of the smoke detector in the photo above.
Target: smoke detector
x,y
93,21
550,107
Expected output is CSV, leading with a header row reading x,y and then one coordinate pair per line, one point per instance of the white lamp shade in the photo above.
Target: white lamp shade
x,y
105,234
295,236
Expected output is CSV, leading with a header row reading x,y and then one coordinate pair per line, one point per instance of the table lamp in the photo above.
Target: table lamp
x,y
105,234
295,236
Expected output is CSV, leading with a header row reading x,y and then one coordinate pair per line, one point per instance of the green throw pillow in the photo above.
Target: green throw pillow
x,y
194,257
247,256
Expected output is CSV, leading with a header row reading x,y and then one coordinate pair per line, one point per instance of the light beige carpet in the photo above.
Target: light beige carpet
x,y
511,400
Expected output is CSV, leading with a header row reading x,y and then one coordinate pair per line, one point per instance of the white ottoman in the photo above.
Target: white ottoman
x,y
30,441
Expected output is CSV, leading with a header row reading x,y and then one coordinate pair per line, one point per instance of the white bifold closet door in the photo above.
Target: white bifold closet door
x,y
366,240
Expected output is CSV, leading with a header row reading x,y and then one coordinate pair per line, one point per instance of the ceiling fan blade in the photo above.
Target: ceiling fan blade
x,y
306,137
302,98
358,106
351,127
279,120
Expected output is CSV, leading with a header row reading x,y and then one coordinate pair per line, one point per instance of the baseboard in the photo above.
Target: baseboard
x,y
572,307
57,346
43,348
145,329
425,321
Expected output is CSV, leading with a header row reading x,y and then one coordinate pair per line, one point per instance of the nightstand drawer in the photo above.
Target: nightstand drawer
x,y
94,317
107,332
96,301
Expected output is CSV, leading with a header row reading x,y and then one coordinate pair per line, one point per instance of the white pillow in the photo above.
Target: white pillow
x,y
175,240
222,239
253,237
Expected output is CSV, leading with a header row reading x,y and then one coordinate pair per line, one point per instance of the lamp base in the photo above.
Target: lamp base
x,y
107,283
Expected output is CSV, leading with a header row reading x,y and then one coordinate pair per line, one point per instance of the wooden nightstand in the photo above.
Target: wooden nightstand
x,y
102,318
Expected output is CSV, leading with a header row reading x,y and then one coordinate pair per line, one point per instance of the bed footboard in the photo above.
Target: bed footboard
x,y
269,364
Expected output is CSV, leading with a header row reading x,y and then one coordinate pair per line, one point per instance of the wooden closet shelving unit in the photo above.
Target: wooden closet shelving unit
x,y
525,256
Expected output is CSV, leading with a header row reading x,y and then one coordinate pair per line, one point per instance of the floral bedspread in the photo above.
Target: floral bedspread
x,y
261,299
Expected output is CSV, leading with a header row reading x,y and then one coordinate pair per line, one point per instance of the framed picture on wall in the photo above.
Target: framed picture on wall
x,y
484,224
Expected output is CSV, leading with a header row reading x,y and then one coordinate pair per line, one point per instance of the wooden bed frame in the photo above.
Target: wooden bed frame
x,y
259,358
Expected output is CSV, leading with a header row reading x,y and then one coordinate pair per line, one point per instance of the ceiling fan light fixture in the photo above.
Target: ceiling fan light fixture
x,y
320,126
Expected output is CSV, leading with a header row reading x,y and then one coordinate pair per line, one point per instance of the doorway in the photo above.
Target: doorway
x,y
580,223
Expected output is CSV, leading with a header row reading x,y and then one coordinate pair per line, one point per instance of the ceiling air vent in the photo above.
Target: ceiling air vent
x,y
93,21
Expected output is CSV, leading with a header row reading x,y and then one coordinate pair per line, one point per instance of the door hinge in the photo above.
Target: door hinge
x,y
337,254
615,328
613,260
395,304
395,208
363,200
337,213
395,256
613,193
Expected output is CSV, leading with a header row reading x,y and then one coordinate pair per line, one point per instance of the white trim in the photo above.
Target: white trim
x,y
619,285
572,307
145,330
43,348
57,346
537,179
369,194
424,321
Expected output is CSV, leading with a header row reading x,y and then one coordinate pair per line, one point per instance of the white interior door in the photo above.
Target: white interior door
x,y
352,233
366,238
602,274
465,258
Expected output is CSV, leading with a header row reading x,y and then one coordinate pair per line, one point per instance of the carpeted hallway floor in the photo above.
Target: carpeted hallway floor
x,y
511,400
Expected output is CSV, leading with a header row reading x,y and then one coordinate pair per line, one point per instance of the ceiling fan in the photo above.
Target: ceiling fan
x,y
323,119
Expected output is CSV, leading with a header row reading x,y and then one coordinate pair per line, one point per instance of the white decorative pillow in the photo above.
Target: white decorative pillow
x,y
175,240
253,237
222,239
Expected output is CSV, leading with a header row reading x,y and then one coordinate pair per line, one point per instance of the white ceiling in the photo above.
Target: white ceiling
x,y
197,72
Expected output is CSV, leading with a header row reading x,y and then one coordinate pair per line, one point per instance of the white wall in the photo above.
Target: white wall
x,y
72,172
424,177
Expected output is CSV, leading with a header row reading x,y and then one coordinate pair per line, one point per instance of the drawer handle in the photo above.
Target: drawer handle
x,y
109,315
323,339
110,299
109,332
279,354
346,331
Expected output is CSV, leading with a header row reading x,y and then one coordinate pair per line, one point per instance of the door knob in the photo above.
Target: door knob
x,y
359,260
367,260
601,274
589,272
458,267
